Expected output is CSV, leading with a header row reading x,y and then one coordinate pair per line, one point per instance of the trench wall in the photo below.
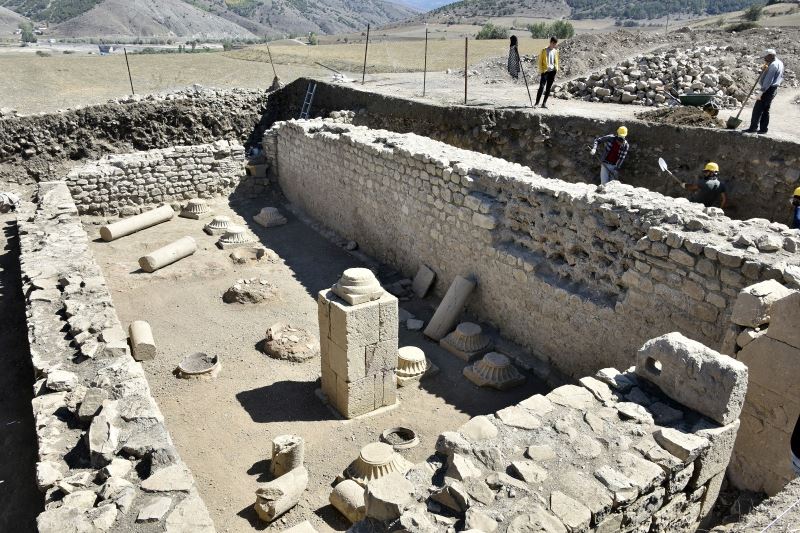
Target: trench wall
x,y
580,274
41,147
105,455
124,183
760,173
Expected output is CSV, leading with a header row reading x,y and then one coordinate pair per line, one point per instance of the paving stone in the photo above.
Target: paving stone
x,y
536,520
154,509
461,467
540,453
572,396
478,429
518,417
171,478
529,471
387,497
190,516
622,488
537,404
684,446
572,513
480,521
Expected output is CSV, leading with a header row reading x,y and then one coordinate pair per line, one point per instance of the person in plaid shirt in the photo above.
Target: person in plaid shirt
x,y
615,149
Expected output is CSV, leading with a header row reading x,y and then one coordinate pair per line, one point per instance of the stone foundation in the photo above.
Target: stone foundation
x,y
106,460
125,183
579,273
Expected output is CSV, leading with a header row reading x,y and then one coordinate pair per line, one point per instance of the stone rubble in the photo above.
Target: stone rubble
x,y
573,461
89,389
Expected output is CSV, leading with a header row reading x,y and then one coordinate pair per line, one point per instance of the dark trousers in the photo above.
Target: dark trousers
x,y
545,84
760,118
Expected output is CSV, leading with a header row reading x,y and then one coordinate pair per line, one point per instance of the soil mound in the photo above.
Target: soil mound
x,y
681,116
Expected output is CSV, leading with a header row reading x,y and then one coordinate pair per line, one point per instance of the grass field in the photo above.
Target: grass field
x,y
388,55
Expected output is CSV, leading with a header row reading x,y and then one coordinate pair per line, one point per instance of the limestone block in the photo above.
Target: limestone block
x,y
142,343
288,452
348,498
175,477
494,370
571,512
349,365
717,456
381,356
303,527
450,309
270,217
357,286
389,318
104,434
695,376
61,380
518,417
190,516
196,209
621,487
166,255
478,429
92,403
278,496
754,304
355,398
572,396
528,471
684,446
476,520
353,325
423,281
785,316
154,509
536,519
467,342
454,496
460,467
772,364
139,222
387,497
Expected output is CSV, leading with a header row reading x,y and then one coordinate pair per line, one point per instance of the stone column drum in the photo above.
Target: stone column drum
x,y
358,324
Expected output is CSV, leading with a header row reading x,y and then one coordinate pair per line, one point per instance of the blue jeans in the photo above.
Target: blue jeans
x,y
760,117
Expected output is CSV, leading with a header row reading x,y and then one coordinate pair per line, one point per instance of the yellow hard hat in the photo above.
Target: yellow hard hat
x,y
797,191
622,131
712,167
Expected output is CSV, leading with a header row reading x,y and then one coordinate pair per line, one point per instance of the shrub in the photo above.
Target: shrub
x,y
490,31
42,53
754,12
27,32
313,40
560,29
741,26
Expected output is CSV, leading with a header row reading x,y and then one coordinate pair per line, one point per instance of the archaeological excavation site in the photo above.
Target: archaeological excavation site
x,y
392,316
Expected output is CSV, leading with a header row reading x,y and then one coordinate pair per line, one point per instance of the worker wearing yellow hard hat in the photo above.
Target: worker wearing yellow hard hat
x,y
615,149
709,190
795,201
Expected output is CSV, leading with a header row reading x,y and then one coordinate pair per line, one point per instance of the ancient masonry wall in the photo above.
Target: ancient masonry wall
x,y
106,460
124,183
577,273
618,452
41,147
760,173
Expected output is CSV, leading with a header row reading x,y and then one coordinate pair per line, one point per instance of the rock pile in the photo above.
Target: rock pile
x,y
646,79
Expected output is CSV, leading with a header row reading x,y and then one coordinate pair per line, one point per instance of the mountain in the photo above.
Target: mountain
x,y
9,21
149,18
578,9
424,5
209,19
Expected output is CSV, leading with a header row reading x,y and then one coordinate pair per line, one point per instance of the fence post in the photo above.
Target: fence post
x,y
425,68
130,78
466,65
366,48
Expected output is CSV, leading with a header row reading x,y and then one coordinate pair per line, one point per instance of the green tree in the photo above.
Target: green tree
x,y
490,31
27,32
754,12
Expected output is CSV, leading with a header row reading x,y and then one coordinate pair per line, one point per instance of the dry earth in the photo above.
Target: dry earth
x,y
223,428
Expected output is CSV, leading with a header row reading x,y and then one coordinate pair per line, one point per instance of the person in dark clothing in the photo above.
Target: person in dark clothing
x,y
615,150
513,58
795,201
548,68
770,80
710,191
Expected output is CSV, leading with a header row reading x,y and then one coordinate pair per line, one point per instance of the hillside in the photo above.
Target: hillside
x,y
149,18
9,22
578,9
207,18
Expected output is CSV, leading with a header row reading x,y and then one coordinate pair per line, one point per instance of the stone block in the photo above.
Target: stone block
x,y
695,376
571,512
423,281
714,459
450,308
354,325
355,398
387,497
381,356
784,318
773,365
754,304
684,446
348,498
349,365
536,519
144,347
388,317
276,497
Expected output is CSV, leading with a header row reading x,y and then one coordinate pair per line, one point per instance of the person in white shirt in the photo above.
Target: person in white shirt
x,y
771,79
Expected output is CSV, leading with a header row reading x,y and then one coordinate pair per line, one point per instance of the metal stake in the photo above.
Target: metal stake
x,y
425,68
366,48
129,70
466,53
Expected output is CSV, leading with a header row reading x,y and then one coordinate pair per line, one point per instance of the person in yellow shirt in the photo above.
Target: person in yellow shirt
x,y
548,67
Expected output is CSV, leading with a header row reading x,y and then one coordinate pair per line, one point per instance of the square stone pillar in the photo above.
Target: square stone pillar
x,y
358,328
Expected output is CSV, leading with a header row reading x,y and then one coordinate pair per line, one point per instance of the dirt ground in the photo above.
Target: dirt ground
x,y
223,428
20,500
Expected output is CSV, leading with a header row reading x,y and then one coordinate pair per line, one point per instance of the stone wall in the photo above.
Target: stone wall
x,y
760,173
765,337
41,147
106,460
580,274
615,453
123,183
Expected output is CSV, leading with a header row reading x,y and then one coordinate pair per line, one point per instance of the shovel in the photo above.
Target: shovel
x,y
665,168
735,122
